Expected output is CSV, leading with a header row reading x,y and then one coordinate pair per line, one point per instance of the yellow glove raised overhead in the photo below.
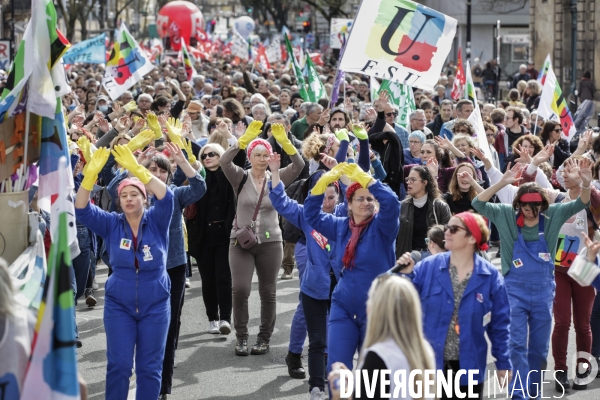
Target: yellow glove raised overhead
x,y
93,168
278,132
174,127
253,130
328,178
141,140
188,149
359,131
152,121
129,107
126,159
356,174
86,148
342,134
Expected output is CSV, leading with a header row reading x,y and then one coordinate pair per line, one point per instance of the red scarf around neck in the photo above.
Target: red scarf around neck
x,y
357,230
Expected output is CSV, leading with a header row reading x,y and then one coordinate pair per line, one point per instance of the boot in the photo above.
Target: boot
x,y
294,363
561,381
580,381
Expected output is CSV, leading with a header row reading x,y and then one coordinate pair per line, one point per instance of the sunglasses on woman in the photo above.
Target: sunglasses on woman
x,y
209,154
454,228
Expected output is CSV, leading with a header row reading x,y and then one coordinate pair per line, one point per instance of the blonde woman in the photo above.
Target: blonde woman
x,y
394,340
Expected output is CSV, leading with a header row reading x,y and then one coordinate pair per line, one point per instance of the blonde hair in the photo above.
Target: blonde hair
x,y
314,145
459,137
394,312
218,138
216,147
7,292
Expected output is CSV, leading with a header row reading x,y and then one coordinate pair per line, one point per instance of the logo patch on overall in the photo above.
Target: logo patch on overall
x,y
126,244
147,254
518,263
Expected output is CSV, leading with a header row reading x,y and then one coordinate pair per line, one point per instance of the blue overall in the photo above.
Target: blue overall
x,y
375,254
137,309
530,286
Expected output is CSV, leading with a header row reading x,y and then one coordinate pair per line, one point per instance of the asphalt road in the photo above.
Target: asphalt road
x,y
206,366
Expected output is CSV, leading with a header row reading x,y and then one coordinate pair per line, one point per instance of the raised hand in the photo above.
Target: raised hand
x,y
154,125
176,153
327,178
592,248
174,129
360,131
86,148
524,157
585,171
443,142
342,134
513,174
432,166
543,155
122,124
93,168
324,118
126,159
356,174
466,177
141,140
274,162
328,161
253,130
190,153
239,129
278,132
477,152
117,109
129,107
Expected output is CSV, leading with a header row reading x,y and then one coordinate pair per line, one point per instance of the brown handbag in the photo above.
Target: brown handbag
x,y
245,235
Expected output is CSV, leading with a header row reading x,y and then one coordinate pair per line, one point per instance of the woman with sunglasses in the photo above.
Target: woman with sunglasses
x,y
208,236
551,134
529,243
267,254
463,298
422,208
364,248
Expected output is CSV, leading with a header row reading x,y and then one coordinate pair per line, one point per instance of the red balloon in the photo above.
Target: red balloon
x,y
179,20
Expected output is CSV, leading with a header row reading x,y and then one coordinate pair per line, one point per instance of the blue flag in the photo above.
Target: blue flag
x,y
91,51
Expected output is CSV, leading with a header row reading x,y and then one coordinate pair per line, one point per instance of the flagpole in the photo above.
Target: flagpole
x,y
27,120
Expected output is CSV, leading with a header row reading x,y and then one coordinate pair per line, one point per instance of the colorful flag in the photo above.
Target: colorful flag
x,y
459,79
399,40
31,274
316,89
126,66
52,369
402,96
91,51
188,61
339,30
554,106
335,91
274,51
544,71
262,61
239,46
374,86
475,118
317,59
297,70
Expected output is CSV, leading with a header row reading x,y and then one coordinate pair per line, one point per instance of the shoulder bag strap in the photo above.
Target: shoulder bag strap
x,y
260,197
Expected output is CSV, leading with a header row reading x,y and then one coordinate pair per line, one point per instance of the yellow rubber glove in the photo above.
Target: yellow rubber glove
x,y
129,107
278,132
356,174
253,130
152,121
188,149
174,127
86,148
359,131
126,159
93,168
342,134
328,178
141,140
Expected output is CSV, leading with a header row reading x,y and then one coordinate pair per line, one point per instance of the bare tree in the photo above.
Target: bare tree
x,y
266,10
329,8
501,6
75,10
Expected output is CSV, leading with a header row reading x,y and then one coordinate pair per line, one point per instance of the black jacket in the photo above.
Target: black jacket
x,y
391,153
436,125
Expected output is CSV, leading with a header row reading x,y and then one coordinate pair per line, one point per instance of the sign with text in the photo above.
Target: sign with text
x,y
5,52
91,51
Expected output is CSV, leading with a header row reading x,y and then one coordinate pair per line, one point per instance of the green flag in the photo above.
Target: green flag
x,y
402,96
470,88
297,70
316,89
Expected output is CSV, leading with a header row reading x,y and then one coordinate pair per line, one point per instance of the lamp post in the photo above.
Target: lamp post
x,y
573,8
468,48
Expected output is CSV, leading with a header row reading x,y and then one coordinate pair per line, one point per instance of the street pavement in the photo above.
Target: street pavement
x,y
206,366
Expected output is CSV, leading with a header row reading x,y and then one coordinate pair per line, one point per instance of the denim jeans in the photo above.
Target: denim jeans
x,y
315,313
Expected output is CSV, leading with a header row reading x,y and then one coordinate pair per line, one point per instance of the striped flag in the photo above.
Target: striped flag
x,y
554,106
188,61
52,370
460,79
544,71
402,96
316,89
297,70
475,118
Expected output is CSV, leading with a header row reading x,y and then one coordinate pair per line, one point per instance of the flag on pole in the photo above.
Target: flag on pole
x,y
553,105
316,89
374,86
262,61
188,61
52,369
126,66
544,71
91,51
297,70
459,79
239,46
14,94
475,118
402,96
335,91
274,51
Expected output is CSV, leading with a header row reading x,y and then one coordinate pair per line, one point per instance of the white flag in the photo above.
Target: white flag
x,y
274,51
239,46
475,118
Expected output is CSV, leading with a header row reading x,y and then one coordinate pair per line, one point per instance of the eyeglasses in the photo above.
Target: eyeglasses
x,y
490,135
414,142
209,154
454,228
391,114
412,180
361,199
558,130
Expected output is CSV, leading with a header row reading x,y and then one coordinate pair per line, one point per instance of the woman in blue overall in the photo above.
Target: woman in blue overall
x,y
183,196
136,309
463,297
364,249
528,257
317,283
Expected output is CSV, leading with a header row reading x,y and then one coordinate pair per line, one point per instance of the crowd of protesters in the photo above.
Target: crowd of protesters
x,y
235,173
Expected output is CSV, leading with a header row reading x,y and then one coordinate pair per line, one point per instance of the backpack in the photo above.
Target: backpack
x,y
477,71
298,191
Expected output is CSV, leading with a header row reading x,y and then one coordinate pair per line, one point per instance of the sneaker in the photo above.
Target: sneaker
x,y
317,394
294,364
90,300
187,283
259,349
224,327
241,348
95,285
561,381
214,327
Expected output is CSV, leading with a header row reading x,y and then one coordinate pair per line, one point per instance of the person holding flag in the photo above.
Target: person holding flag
x,y
137,309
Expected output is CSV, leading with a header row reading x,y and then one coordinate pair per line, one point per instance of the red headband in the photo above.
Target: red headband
x,y
531,198
469,220
351,189
258,142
